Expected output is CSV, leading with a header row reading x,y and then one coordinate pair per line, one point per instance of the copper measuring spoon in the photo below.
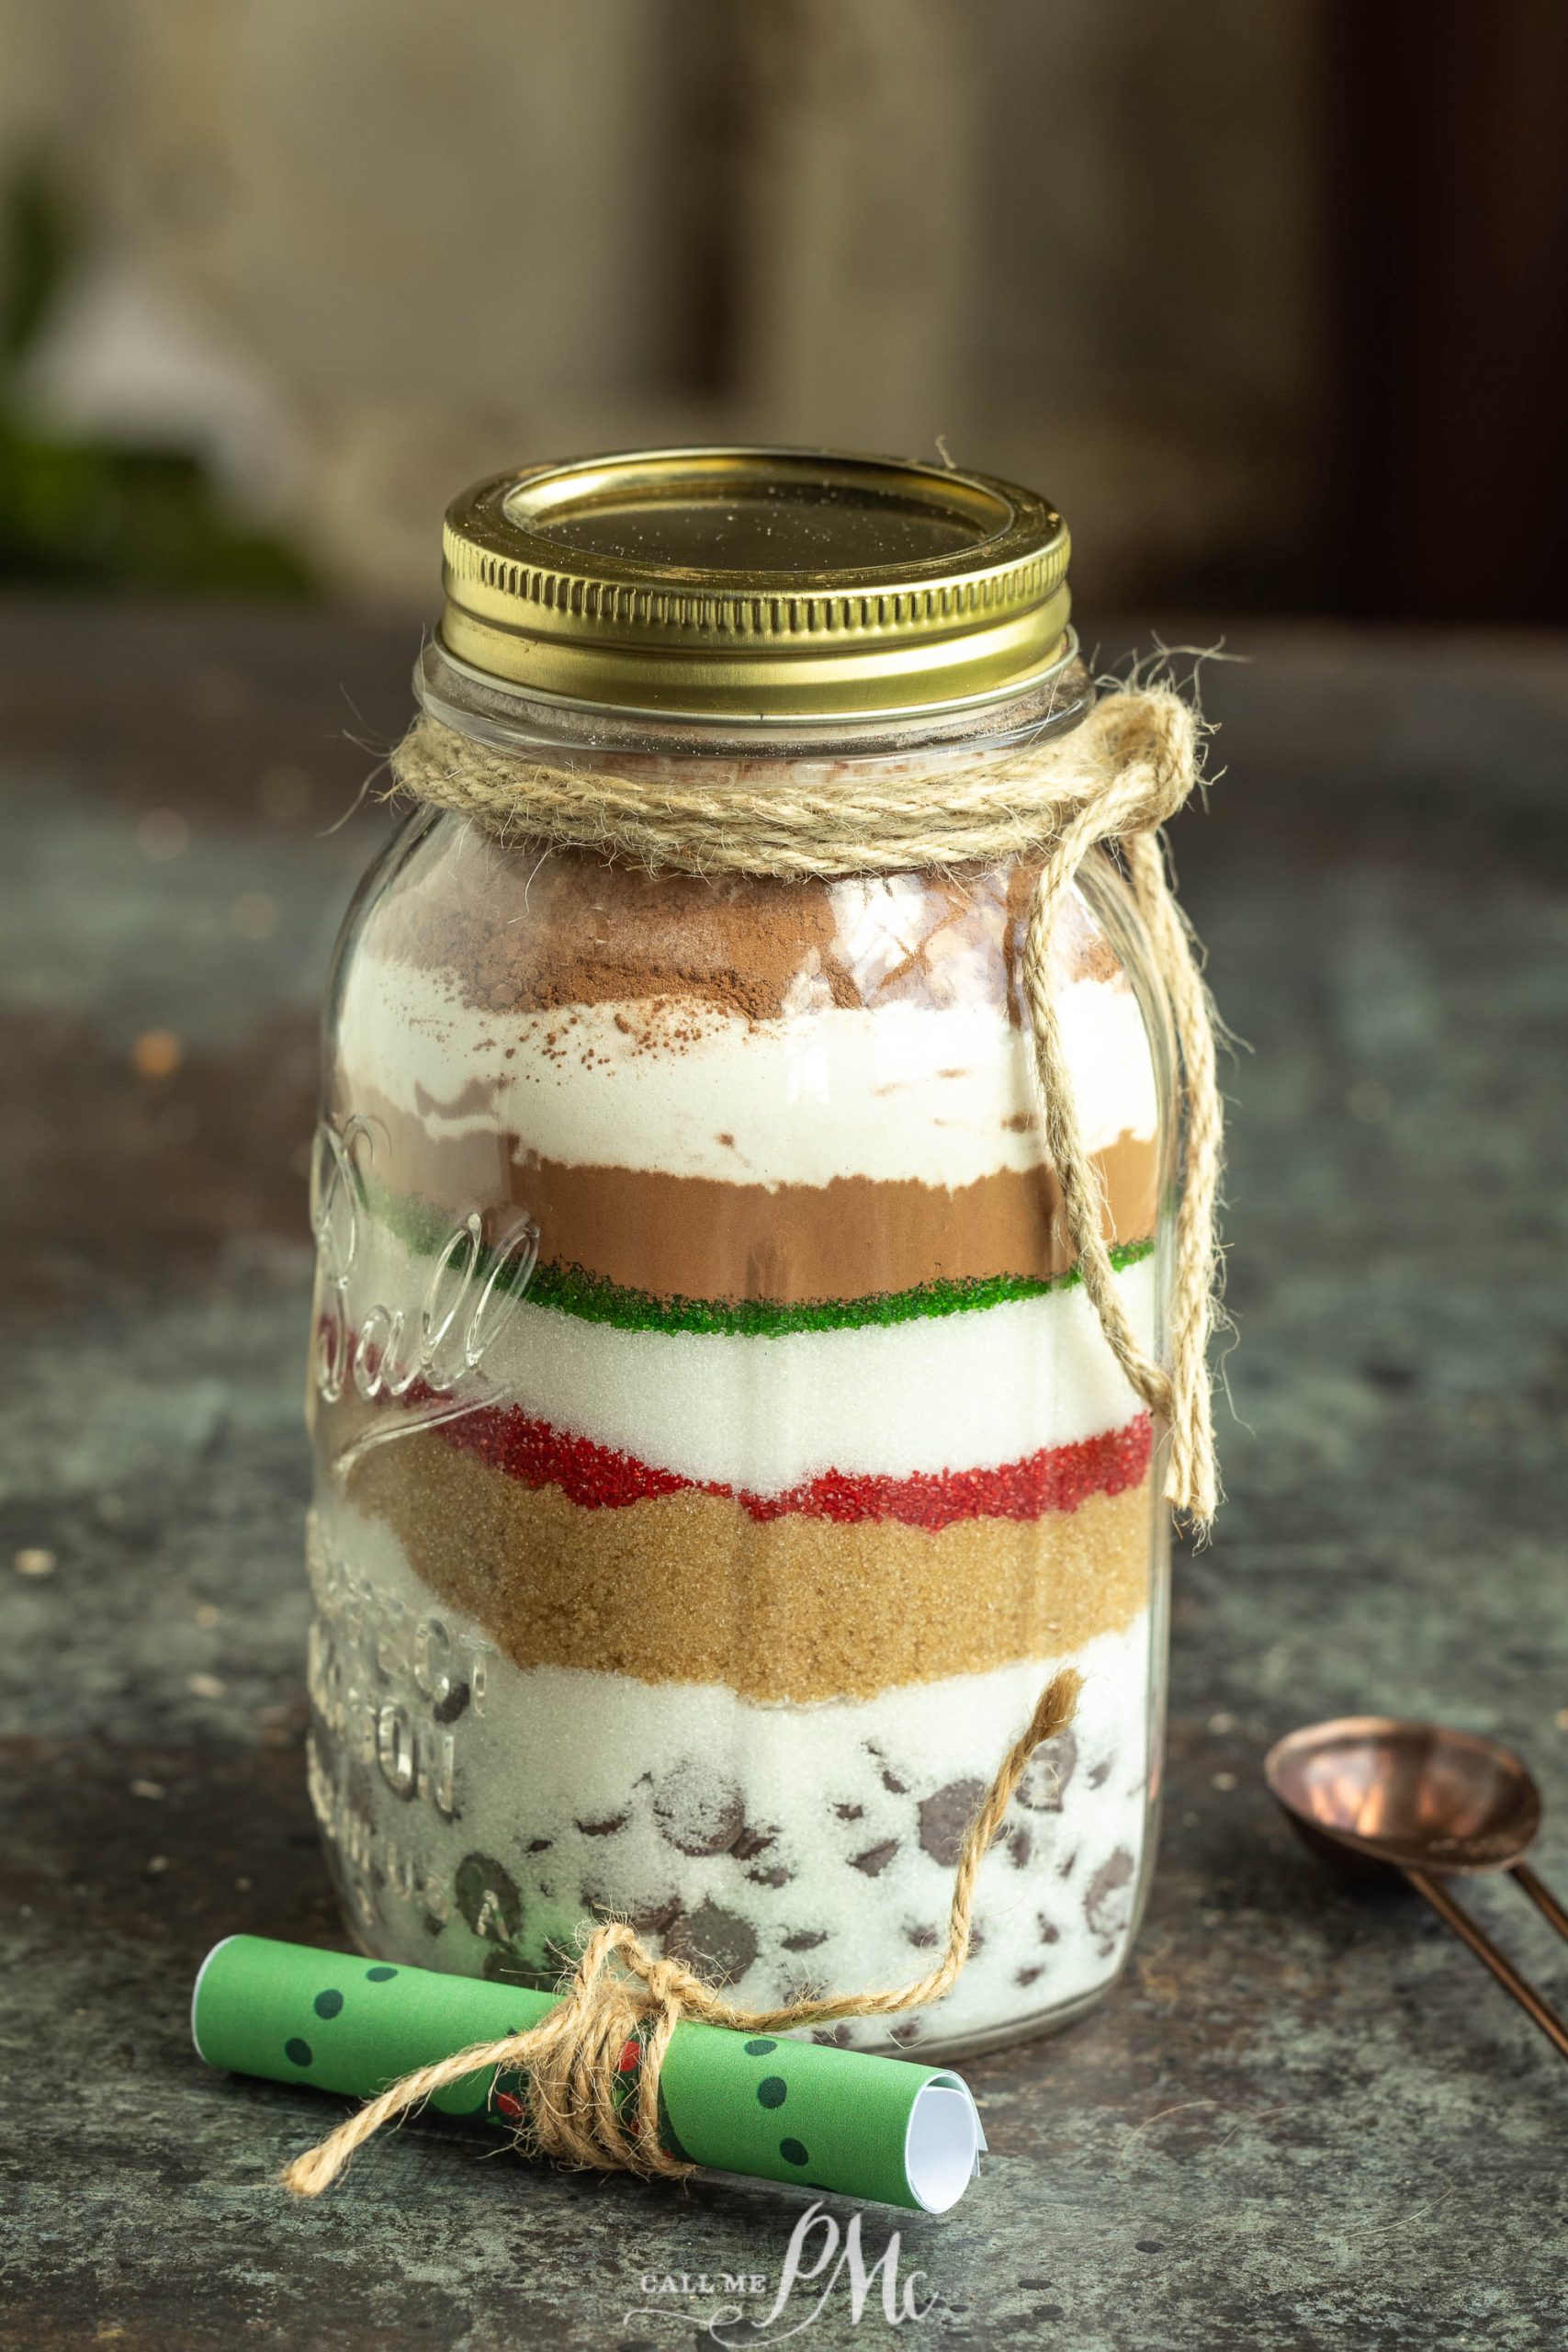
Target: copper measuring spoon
x,y
1374,1793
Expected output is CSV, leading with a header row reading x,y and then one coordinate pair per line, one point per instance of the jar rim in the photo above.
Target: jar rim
x,y
493,710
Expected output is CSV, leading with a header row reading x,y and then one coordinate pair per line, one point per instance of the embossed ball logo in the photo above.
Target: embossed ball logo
x,y
425,1351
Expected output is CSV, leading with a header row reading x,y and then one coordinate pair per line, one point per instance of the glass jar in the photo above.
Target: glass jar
x,y
715,1449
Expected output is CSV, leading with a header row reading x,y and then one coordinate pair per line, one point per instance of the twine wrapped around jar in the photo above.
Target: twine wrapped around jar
x,y
1109,784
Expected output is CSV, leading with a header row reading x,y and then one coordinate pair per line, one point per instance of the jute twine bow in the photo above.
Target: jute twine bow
x,y
621,1992
1110,784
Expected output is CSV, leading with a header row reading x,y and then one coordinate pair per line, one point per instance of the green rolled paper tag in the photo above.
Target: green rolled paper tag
x,y
777,2110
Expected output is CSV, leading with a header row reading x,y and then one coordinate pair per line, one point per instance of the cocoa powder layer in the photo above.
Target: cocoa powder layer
x,y
687,1589
686,1237
528,930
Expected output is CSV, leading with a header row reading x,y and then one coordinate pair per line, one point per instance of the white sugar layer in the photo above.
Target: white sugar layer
x,y
969,1390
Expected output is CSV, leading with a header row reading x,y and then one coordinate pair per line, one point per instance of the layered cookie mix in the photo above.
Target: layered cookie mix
x,y
719,1450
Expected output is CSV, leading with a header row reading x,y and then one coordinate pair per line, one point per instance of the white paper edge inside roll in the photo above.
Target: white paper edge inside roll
x,y
196,1989
943,2144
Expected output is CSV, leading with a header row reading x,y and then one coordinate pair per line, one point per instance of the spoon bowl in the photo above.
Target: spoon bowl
x,y
1405,1796
1369,1792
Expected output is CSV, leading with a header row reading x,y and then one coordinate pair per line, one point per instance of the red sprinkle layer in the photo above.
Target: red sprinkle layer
x,y
596,1477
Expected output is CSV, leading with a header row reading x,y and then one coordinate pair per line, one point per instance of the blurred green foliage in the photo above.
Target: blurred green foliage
x,y
97,513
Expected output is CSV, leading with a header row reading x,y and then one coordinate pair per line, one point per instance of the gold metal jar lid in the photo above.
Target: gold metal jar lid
x,y
756,584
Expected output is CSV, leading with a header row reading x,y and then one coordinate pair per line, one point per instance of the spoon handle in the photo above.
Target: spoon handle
x,y
1482,1945
1540,1894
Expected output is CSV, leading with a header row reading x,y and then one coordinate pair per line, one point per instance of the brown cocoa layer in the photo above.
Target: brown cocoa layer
x,y
687,1589
689,1236
523,930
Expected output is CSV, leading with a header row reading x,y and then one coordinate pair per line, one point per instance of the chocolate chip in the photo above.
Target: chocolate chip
x,y
1101,1773
655,1917
1021,1845
833,2037
1029,1976
650,1915
804,1940
849,1812
538,1845
487,1898
945,1817
696,1812
447,1710
1048,1934
752,1842
1108,1901
906,2030
776,1875
713,1942
922,1937
605,1829
1049,1768
876,1858
890,1780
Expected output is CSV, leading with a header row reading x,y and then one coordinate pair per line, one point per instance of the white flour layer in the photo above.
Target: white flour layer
x,y
941,1095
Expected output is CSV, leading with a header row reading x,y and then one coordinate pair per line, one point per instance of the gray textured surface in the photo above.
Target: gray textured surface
x,y
1304,2119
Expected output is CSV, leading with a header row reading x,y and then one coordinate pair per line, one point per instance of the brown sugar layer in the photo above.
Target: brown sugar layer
x,y
522,929
690,1237
687,1589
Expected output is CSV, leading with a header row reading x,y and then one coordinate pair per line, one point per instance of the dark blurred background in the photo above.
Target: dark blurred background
x,y
1271,298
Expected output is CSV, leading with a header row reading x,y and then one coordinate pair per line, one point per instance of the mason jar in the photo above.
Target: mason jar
x,y
716,1450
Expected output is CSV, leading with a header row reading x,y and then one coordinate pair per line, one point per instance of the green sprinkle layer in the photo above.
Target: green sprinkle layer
x,y
593,1299
571,1290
